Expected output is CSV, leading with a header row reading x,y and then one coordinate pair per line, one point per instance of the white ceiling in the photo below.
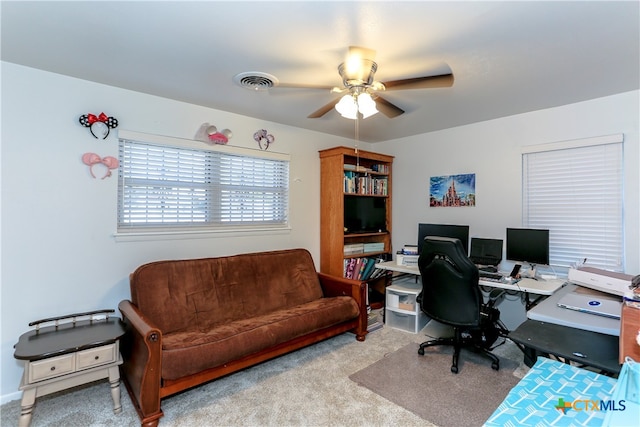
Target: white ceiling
x,y
507,57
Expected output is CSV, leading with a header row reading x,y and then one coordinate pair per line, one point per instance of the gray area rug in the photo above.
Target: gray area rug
x,y
426,386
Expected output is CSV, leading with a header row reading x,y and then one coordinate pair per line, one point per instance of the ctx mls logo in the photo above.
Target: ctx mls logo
x,y
590,405
563,406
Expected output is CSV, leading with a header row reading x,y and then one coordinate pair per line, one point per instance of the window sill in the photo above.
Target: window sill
x,y
141,236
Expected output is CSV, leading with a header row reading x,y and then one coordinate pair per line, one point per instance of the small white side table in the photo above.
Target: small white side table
x,y
67,355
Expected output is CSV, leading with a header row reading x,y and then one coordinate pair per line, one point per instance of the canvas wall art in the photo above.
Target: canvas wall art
x,y
452,190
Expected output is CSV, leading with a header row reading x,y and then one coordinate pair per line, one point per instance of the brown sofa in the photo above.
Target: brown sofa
x,y
191,321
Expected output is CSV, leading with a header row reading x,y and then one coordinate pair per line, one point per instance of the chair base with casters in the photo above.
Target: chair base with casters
x,y
479,340
458,342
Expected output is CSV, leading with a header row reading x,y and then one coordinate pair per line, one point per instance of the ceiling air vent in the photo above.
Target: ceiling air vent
x,y
255,80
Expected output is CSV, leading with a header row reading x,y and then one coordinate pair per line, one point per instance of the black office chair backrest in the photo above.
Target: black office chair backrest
x,y
450,291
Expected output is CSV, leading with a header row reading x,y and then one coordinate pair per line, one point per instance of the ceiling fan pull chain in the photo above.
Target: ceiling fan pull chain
x,y
357,138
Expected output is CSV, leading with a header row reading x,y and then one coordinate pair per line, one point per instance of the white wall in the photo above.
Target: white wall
x,y
58,251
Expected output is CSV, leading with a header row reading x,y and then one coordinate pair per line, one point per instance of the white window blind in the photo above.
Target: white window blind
x,y
577,193
171,188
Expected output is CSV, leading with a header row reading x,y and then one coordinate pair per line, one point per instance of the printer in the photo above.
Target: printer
x,y
601,280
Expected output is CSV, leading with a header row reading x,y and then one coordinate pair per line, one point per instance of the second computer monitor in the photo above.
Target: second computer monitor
x,y
528,245
460,232
486,251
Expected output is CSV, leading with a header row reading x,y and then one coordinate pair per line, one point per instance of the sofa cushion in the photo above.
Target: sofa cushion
x,y
178,295
192,351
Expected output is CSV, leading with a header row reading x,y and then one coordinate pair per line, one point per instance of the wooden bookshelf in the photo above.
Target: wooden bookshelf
x,y
345,173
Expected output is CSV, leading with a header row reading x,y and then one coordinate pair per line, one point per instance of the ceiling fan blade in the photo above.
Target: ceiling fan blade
x,y
323,110
426,82
303,86
388,109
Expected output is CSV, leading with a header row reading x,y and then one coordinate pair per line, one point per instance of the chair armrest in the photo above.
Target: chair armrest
x,y
333,286
141,349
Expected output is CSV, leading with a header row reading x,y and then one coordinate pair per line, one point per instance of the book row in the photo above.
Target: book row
x,y
358,248
356,184
361,268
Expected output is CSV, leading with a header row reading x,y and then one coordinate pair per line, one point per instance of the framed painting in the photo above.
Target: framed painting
x,y
452,190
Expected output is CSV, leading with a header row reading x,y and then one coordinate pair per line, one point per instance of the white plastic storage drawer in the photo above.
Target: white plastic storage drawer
x,y
406,322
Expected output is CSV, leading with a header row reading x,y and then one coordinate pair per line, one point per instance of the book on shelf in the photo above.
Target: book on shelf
x,y
374,247
363,268
353,248
410,249
369,185
368,269
380,168
360,268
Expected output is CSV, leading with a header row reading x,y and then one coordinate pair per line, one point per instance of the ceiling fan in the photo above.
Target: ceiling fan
x,y
357,74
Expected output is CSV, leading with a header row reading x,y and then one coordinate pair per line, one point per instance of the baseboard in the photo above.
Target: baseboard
x,y
17,395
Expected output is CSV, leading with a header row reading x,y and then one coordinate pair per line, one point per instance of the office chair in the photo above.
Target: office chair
x,y
451,295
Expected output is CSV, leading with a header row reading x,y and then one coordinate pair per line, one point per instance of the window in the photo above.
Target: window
x,y
575,189
172,185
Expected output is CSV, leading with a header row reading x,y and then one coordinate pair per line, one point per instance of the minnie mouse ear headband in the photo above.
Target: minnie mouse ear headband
x,y
98,125
209,134
92,159
262,137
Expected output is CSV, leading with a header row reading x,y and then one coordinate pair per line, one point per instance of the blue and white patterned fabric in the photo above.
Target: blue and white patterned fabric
x,y
557,394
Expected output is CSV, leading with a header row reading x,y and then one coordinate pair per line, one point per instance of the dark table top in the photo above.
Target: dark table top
x,y
67,338
586,347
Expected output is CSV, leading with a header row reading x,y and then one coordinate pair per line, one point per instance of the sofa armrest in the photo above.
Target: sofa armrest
x,y
141,350
333,286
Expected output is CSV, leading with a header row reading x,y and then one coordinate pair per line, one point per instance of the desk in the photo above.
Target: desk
x,y
548,311
580,337
585,347
526,285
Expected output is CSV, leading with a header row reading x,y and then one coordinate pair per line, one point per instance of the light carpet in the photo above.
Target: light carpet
x,y
309,387
426,386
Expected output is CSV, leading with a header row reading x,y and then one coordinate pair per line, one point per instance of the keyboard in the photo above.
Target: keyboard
x,y
484,260
492,277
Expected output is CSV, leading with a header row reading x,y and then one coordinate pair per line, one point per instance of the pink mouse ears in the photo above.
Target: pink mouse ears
x,y
92,159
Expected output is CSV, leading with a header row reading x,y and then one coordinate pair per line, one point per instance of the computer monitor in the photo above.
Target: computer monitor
x,y
528,245
365,214
486,251
460,232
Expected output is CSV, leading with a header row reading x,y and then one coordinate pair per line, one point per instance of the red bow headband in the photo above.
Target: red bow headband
x,y
91,159
103,121
92,118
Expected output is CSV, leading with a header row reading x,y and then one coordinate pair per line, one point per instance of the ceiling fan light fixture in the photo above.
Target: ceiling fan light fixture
x,y
352,103
348,107
366,105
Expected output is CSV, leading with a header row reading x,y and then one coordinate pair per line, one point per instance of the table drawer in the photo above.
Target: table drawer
x,y
50,368
96,356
